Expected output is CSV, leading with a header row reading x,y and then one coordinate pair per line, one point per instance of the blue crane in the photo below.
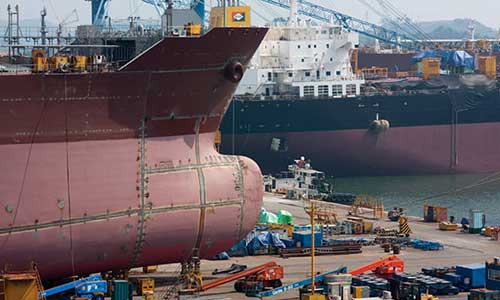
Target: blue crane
x,y
295,285
91,287
325,14
99,11
161,6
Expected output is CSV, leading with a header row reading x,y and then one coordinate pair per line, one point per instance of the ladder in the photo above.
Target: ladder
x,y
39,285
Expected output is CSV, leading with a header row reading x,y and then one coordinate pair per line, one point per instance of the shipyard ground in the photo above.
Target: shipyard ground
x,y
460,248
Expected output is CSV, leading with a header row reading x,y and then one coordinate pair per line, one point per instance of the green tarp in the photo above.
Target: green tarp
x,y
267,217
284,217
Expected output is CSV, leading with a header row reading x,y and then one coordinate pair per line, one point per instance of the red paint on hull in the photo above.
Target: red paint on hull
x,y
115,170
470,148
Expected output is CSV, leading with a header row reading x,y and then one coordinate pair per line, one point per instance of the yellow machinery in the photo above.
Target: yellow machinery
x,y
230,16
40,63
428,296
288,227
146,287
149,269
488,66
430,68
79,63
20,286
59,63
192,29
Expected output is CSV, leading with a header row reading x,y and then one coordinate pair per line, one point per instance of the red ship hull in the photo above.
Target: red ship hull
x,y
114,170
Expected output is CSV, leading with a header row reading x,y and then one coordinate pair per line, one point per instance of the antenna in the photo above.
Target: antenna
x,y
472,29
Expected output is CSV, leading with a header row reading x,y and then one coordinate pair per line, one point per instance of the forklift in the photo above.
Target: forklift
x,y
401,290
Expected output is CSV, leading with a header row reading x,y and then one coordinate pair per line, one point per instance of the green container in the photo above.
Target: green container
x,y
475,230
121,290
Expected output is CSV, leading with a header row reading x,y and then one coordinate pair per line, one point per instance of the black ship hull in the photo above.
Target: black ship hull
x,y
449,131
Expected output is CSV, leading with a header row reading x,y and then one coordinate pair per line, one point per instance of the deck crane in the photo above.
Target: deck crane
x,y
325,14
99,11
69,19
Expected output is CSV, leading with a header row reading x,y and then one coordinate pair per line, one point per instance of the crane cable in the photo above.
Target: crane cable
x,y
385,17
485,180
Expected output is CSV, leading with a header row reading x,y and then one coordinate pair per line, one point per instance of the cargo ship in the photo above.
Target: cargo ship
x,y
108,165
302,97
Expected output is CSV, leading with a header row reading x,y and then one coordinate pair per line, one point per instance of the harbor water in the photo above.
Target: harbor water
x,y
458,193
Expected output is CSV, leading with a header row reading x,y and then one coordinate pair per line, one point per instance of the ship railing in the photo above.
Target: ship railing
x,y
284,97
19,69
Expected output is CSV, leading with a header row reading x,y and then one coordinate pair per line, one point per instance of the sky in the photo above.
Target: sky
x,y
484,11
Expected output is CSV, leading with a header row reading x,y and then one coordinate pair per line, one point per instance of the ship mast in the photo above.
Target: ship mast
x,y
292,20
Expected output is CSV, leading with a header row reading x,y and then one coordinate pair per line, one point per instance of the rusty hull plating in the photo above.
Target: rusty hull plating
x,y
107,171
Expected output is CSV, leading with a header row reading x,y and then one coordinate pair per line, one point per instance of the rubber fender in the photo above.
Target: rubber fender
x,y
234,71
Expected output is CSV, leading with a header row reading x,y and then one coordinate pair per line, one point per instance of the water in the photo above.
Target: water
x,y
462,193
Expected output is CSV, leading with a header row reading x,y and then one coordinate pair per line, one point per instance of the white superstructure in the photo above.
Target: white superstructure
x,y
302,59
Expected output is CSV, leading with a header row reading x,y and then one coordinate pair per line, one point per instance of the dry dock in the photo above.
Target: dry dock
x,y
459,248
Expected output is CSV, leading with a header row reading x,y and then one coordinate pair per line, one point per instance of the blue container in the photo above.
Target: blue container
x,y
474,275
289,243
454,278
303,239
121,290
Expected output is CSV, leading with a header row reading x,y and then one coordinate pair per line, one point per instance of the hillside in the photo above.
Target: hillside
x,y
453,29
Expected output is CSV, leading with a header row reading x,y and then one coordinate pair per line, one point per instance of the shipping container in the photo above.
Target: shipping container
x,y
434,213
474,275
488,65
303,239
430,68
121,290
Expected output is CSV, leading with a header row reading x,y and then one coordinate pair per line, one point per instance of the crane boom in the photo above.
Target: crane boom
x,y
297,284
384,266
325,14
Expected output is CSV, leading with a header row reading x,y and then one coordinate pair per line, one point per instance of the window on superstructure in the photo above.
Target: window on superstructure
x,y
337,90
290,74
307,74
308,90
269,76
302,60
308,46
350,90
494,274
331,58
323,31
328,73
338,73
322,90
327,45
298,46
314,46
